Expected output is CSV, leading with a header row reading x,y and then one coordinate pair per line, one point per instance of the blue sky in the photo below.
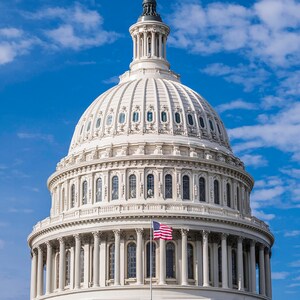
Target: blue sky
x,y
57,56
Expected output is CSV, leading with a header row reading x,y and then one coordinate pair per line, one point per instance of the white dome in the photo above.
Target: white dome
x,y
150,108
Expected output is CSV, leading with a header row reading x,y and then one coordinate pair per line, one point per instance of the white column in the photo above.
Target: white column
x,y
240,264
153,44
117,257
162,262
96,259
62,263
160,45
224,262
229,255
40,272
49,269
199,248
145,44
184,258
138,46
262,277
134,47
77,260
253,266
33,275
139,256
205,260
268,274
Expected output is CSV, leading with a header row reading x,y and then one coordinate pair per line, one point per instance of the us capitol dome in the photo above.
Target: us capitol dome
x,y
150,148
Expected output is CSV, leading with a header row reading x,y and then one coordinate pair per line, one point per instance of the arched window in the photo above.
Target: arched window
x,y
132,186
164,117
111,273
150,186
122,118
57,271
170,260
190,119
211,125
220,264
89,126
153,259
238,198
68,267
202,124
216,192
72,195
150,116
228,194
219,130
135,117
81,265
84,192
115,188
99,190
190,253
234,267
202,190
177,118
131,260
149,46
186,187
98,123
109,120
168,187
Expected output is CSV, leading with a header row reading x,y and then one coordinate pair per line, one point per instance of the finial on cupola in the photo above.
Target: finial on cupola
x,y
149,11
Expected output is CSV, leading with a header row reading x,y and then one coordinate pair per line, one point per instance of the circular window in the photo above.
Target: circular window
x,y
109,120
89,126
150,116
121,118
177,118
211,125
190,119
202,124
98,123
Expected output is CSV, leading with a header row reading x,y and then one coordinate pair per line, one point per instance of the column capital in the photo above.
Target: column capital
x,y
77,237
253,243
61,240
205,234
184,231
224,236
34,252
262,247
240,239
117,232
97,234
139,230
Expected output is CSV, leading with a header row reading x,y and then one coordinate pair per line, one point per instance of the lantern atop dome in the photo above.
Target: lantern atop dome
x,y
149,11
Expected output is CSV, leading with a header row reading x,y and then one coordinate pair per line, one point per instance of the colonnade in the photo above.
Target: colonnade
x,y
218,260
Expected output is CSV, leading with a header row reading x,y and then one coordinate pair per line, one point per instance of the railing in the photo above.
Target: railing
x,y
150,209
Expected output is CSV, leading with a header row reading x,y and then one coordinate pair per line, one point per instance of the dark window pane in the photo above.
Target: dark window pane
x,y
170,260
150,186
121,118
202,190
131,260
186,187
190,252
149,116
168,187
115,188
202,124
153,259
164,116
190,119
177,118
132,186
211,125
216,192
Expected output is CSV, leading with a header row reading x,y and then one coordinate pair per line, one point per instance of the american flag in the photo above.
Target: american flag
x,y
161,231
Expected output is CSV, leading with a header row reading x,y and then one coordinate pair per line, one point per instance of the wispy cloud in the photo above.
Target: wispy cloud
x,y
237,104
36,136
292,233
254,160
295,264
268,31
20,210
112,80
279,275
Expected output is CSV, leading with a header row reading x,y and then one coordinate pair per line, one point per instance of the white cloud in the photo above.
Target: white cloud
x,y
20,210
295,264
279,275
248,76
280,131
254,160
268,31
112,80
293,233
76,27
262,215
36,136
237,104
293,285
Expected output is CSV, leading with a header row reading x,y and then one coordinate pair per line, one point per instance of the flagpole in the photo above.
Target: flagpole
x,y
151,238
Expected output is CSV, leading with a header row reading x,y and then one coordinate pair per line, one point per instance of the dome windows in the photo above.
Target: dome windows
x,y
202,123
219,130
99,190
150,186
115,188
168,187
211,125
98,123
122,117
164,117
216,192
89,126
132,186
190,119
202,190
186,187
109,120
150,116
135,117
84,192
177,118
